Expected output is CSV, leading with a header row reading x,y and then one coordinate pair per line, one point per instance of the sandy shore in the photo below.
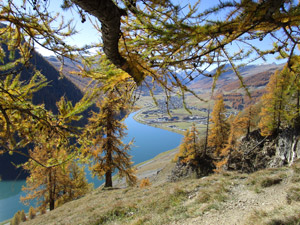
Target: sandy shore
x,y
156,170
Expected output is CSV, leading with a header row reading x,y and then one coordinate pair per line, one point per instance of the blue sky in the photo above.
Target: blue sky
x,y
87,34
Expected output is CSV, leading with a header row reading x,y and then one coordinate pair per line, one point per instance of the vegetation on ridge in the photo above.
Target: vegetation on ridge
x,y
220,198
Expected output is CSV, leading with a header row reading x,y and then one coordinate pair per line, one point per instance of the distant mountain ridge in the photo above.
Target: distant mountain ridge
x,y
255,78
204,83
69,67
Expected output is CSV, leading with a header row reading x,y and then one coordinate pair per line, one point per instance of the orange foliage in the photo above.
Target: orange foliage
x,y
218,133
145,183
189,146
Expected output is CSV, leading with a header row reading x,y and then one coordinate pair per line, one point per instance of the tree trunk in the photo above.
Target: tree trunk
x,y
51,194
108,178
298,102
51,204
109,146
110,15
108,174
206,133
249,124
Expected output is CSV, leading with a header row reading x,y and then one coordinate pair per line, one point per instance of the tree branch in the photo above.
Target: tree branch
x,y
110,15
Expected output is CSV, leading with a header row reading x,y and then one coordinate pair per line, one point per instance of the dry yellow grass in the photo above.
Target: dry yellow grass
x,y
225,198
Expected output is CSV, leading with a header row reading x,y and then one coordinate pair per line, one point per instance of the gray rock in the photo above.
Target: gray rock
x,y
257,152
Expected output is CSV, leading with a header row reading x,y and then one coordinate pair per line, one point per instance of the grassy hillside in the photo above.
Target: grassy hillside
x,y
266,197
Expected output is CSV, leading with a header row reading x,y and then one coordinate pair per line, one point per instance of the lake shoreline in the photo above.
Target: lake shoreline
x,y
154,164
137,119
157,168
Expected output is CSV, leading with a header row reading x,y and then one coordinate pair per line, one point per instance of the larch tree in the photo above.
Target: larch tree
x,y
165,36
268,114
59,182
274,102
21,121
248,120
292,107
104,133
219,129
53,176
234,133
240,125
189,148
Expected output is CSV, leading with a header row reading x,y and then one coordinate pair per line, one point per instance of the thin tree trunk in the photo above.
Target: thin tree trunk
x,y
298,102
51,194
249,124
108,174
206,133
109,147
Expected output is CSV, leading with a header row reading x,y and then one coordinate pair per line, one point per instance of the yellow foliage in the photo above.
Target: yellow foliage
x,y
281,101
145,183
189,146
218,133
103,135
220,164
32,213
56,177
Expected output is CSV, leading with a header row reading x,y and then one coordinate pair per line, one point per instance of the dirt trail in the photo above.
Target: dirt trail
x,y
242,204
239,209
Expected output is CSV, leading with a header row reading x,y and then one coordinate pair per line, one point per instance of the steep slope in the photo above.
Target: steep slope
x,y
68,68
265,197
58,87
229,77
255,78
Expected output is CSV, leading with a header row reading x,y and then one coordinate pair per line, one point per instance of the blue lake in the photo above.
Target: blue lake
x,y
148,142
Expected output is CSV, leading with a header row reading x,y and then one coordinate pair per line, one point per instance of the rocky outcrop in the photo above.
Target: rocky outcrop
x,y
203,166
257,152
254,153
287,148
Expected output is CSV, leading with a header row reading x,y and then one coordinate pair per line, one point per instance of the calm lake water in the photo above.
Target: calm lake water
x,y
149,142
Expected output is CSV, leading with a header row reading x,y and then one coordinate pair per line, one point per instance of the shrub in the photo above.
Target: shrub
x,y
16,219
32,213
145,183
22,216
42,210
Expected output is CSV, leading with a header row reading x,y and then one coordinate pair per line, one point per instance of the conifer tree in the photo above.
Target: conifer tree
x,y
218,133
52,175
74,185
274,101
21,121
31,213
105,131
292,106
248,118
189,147
56,183
22,216
16,220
